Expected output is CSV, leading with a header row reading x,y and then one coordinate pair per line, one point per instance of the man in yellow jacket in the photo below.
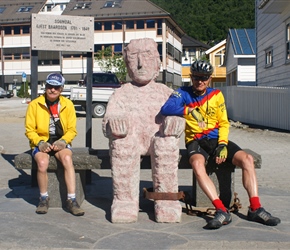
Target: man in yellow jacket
x,y
50,125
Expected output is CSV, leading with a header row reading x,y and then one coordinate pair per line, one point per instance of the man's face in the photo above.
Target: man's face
x,y
52,92
142,61
200,82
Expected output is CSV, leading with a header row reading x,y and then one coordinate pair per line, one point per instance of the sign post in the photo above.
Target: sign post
x,y
64,33
24,81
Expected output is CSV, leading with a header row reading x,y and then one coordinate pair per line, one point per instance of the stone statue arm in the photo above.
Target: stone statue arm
x,y
116,120
173,126
115,127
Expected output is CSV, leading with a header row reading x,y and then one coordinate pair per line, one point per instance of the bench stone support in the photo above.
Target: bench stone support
x,y
57,188
84,159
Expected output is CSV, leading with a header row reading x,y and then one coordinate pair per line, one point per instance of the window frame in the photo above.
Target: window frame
x,y
269,57
2,9
287,43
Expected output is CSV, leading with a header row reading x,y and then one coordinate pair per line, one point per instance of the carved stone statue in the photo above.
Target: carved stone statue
x,y
136,128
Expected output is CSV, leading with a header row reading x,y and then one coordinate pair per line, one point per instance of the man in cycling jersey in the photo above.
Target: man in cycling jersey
x,y
206,135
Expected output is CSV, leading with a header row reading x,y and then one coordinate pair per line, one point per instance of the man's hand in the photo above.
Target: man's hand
x,y
44,146
59,145
197,115
221,153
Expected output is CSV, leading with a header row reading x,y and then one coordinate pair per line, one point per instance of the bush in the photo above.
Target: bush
x,y
21,93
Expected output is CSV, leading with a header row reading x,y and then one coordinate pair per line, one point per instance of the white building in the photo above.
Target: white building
x,y
116,23
273,42
240,58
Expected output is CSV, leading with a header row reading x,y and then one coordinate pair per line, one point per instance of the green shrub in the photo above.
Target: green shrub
x,y
21,93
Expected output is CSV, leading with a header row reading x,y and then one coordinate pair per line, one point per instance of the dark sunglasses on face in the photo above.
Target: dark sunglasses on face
x,y
48,86
200,78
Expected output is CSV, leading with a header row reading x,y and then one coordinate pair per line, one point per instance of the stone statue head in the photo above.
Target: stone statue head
x,y
142,60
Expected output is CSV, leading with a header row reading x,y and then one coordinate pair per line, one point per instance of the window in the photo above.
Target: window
x,y
16,30
177,55
17,56
269,57
25,30
140,24
117,25
159,47
48,58
98,26
25,9
159,27
16,53
288,42
192,53
26,55
97,47
79,6
118,48
150,24
170,50
108,25
219,57
129,24
113,4
2,9
8,30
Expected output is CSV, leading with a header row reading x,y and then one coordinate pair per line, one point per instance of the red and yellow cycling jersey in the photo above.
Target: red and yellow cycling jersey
x,y
209,118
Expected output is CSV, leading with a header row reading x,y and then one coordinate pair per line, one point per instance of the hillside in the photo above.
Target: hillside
x,y
209,20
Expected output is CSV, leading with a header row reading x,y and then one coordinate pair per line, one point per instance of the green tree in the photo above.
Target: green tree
x,y
109,61
210,20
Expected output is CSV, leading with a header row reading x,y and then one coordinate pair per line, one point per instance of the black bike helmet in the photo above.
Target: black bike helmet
x,y
201,67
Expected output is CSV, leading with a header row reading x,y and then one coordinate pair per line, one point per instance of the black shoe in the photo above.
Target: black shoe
x,y
262,216
220,218
74,208
43,205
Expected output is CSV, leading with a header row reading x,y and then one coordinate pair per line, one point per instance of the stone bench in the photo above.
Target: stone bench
x,y
223,176
84,160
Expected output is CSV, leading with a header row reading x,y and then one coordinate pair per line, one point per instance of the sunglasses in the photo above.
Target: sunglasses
x,y
48,86
200,78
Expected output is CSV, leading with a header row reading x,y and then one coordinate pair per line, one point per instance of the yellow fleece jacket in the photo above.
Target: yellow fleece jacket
x,y
38,116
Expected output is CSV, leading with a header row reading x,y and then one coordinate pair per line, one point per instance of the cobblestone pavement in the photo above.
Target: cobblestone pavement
x,y
22,228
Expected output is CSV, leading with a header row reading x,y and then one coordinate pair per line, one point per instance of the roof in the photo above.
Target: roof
x,y
99,9
118,9
113,9
217,46
243,41
11,13
188,42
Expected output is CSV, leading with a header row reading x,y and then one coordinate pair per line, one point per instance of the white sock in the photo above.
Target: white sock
x,y
71,196
44,194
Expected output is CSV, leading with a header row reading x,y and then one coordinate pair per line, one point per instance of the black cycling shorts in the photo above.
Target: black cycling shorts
x,y
206,147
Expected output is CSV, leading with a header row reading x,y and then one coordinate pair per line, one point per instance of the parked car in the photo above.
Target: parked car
x,y
104,80
5,93
104,84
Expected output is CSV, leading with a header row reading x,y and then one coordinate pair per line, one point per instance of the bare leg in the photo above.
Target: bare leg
x,y
65,157
197,163
246,163
42,161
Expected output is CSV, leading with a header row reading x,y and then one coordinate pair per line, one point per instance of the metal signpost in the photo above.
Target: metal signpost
x,y
24,81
